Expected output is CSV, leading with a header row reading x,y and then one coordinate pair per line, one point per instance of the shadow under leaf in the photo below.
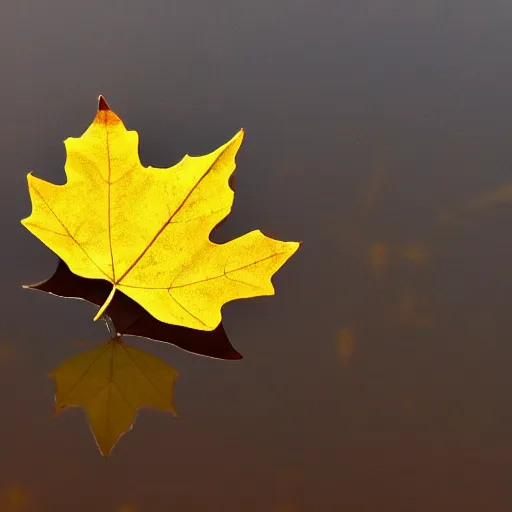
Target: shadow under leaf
x,y
129,318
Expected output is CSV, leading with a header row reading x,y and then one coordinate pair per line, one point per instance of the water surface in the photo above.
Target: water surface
x,y
378,133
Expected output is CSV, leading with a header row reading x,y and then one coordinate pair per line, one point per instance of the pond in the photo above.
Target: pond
x,y
377,133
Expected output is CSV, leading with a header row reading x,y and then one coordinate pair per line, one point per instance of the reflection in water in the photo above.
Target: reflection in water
x,y
111,382
406,310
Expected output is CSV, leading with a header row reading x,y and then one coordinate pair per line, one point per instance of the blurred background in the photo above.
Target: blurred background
x,y
378,133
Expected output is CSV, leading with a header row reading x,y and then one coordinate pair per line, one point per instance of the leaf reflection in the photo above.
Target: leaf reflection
x,y
111,382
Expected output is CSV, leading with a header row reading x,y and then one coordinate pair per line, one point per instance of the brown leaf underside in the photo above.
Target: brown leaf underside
x,y
130,318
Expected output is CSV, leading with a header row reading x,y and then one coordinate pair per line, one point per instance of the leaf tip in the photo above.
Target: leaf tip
x,y
102,103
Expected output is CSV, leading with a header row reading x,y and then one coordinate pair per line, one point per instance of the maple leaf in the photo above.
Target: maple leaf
x,y
146,230
111,382
129,318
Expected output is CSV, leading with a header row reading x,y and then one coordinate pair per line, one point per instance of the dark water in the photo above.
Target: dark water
x,y
378,133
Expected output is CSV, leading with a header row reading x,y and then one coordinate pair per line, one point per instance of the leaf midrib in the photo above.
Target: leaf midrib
x,y
168,221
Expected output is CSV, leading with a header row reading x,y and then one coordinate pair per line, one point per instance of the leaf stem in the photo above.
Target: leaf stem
x,y
105,305
111,327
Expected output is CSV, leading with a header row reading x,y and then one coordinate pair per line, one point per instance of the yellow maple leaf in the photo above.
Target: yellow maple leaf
x,y
111,382
146,230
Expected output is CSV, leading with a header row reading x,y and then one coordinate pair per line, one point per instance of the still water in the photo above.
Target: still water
x,y
377,132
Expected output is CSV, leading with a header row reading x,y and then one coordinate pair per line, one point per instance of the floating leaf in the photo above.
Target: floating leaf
x,y
146,230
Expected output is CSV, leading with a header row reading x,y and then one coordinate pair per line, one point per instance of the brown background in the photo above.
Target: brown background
x,y
367,122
